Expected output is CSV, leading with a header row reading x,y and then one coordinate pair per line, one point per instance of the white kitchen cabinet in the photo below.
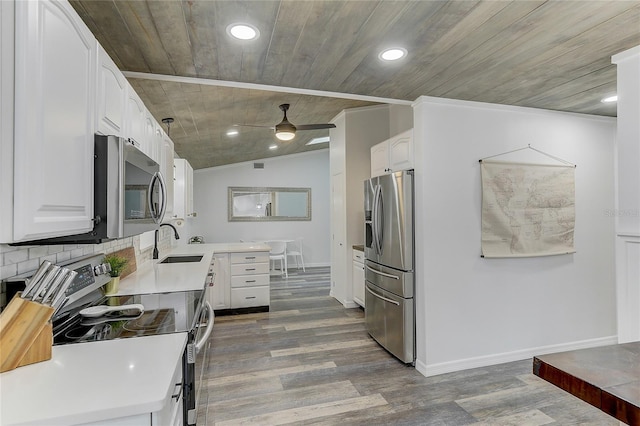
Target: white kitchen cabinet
x,y
136,123
393,154
220,294
241,280
152,137
167,169
183,190
250,282
358,277
54,98
111,96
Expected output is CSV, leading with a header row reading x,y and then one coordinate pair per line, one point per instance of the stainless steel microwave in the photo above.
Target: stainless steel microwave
x,y
129,193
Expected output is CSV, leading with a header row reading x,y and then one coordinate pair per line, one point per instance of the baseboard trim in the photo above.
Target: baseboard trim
x,y
487,360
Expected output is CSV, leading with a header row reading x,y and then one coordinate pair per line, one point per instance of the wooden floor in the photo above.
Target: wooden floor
x,y
310,361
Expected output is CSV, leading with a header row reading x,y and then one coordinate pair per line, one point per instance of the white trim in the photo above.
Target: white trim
x,y
265,87
428,370
263,160
626,54
500,107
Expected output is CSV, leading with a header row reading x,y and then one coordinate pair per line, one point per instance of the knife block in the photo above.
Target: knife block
x,y
26,333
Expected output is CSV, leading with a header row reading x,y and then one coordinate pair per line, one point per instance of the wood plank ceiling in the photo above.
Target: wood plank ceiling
x,y
543,54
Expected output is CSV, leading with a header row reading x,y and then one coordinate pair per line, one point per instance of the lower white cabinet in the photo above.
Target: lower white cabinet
x,y
241,280
358,277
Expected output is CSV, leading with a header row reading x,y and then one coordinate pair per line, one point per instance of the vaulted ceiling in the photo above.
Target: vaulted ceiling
x,y
322,57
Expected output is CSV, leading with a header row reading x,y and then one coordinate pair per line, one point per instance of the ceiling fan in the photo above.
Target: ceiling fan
x,y
285,130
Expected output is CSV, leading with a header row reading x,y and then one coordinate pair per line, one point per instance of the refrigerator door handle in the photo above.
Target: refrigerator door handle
x,y
379,219
374,219
382,297
395,277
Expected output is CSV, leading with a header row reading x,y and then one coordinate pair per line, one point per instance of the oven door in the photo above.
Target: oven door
x,y
197,361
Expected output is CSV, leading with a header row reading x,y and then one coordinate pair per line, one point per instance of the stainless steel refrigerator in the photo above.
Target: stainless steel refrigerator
x,y
389,263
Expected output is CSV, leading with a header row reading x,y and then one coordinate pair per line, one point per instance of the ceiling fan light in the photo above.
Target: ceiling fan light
x,y
285,135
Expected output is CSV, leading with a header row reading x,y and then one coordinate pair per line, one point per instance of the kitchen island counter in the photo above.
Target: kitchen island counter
x,y
91,382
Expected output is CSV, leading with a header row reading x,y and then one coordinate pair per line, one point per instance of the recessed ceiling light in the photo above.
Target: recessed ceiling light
x,y
243,31
318,140
393,54
272,147
609,99
232,132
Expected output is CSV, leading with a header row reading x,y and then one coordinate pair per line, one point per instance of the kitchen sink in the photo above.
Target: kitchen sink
x,y
181,259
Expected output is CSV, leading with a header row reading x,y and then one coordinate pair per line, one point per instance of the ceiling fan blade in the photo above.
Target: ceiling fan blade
x,y
315,126
254,125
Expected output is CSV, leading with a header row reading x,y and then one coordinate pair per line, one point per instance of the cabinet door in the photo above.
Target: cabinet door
x,y
358,283
401,151
189,191
220,294
183,189
152,136
112,93
55,90
167,170
380,159
135,126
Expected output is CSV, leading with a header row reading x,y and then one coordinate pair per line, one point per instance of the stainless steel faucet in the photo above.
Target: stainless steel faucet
x,y
155,241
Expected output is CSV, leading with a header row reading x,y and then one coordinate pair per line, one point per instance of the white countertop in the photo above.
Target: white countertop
x,y
88,382
156,277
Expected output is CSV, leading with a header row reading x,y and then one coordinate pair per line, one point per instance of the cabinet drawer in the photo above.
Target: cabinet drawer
x,y
249,296
358,256
250,280
249,269
251,257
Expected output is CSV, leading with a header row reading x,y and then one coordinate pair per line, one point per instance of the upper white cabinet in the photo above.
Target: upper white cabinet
x,y
55,90
183,190
135,126
152,137
111,97
393,154
167,169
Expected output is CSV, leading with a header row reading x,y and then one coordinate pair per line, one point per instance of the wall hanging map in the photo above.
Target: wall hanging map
x,y
527,209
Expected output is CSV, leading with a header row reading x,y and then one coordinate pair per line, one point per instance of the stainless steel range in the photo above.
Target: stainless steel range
x,y
136,316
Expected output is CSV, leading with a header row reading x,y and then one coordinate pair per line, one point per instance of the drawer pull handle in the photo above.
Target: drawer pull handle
x,y
250,281
250,297
250,269
250,257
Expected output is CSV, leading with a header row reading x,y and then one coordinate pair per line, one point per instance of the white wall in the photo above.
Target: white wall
x,y
473,311
306,170
627,212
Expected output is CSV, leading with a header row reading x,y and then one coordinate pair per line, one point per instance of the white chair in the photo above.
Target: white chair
x,y
296,252
278,252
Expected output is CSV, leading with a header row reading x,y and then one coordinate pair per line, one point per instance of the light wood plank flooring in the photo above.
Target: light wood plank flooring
x,y
310,361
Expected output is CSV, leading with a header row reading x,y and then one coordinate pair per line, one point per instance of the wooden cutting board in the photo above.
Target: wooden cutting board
x,y
130,254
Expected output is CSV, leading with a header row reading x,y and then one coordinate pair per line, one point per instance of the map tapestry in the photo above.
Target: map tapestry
x,y
527,209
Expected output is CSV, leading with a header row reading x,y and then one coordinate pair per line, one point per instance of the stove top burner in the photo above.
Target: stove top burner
x,y
164,313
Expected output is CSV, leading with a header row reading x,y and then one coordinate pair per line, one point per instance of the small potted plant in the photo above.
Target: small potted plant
x,y
117,263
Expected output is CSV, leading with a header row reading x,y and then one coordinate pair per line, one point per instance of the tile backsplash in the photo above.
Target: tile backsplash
x,y
19,260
